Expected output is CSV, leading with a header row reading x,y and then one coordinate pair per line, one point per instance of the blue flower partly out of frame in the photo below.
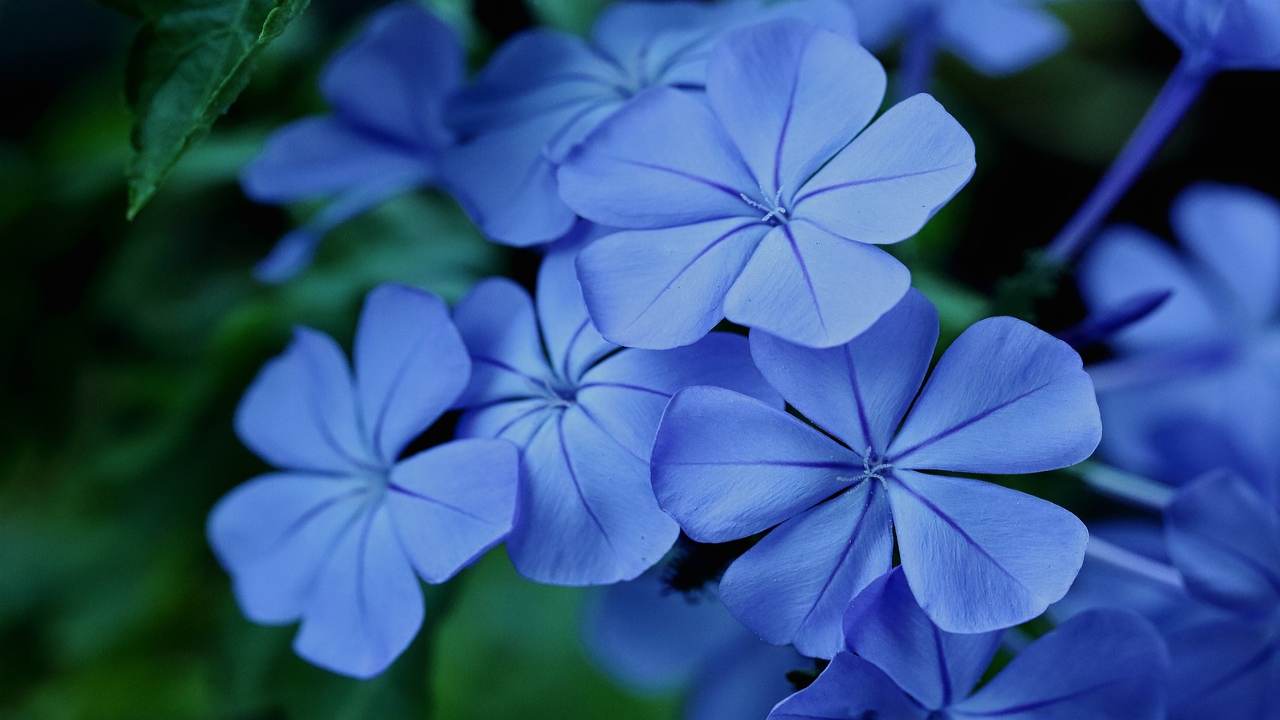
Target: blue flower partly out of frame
x,y
1100,665
1210,355
1005,398
335,536
995,37
544,91
384,136
653,640
1223,34
763,202
584,417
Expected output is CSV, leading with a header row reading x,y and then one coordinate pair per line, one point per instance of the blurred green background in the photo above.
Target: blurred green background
x,y
127,344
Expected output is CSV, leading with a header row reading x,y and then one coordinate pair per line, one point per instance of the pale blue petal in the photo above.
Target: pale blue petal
x,y
1103,664
662,161
300,412
790,95
271,535
411,365
627,392
860,390
979,556
1225,539
849,689
665,288
793,586
1235,34
366,604
885,626
1006,397
587,512
880,21
572,341
812,288
513,420
727,466
648,37
886,184
497,324
452,503
999,37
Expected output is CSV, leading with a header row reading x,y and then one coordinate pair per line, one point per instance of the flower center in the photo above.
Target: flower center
x,y
873,466
557,392
775,212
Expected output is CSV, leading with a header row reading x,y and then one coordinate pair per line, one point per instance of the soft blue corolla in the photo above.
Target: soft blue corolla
x,y
334,537
1210,355
584,415
1101,665
383,138
653,639
765,200
1005,398
544,91
995,37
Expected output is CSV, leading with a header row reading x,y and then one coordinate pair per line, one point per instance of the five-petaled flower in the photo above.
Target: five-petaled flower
x,y
584,414
1004,398
764,201
336,535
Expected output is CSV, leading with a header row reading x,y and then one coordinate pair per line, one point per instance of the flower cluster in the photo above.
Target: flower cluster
x,y
722,353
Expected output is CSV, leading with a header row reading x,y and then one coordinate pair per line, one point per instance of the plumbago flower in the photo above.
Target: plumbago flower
x,y
384,137
336,535
995,37
1214,35
584,417
544,91
653,639
764,202
1004,398
1210,355
1102,665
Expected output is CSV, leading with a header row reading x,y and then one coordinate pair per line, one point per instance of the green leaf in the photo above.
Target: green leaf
x,y
573,16
189,62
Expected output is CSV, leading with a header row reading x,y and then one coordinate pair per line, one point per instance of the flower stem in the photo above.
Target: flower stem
x,y
1126,487
1182,89
918,56
1132,562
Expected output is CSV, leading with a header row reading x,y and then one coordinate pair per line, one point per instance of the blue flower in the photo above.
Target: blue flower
x,y
1210,355
995,37
1224,34
765,201
384,137
1004,398
584,415
335,536
1101,665
653,640
544,91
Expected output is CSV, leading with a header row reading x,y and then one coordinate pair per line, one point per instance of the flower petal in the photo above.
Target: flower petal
x,y
366,604
886,184
849,689
726,465
1006,397
587,512
1224,668
793,586
979,556
662,161
1224,537
516,420
300,412
744,680
395,77
999,37
880,21
812,288
411,365
271,534
453,502
791,94
885,626
497,323
573,343
860,390
1104,664
627,392
664,288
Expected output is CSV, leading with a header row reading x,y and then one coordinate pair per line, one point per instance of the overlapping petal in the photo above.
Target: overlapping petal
x,y
497,323
849,689
572,342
